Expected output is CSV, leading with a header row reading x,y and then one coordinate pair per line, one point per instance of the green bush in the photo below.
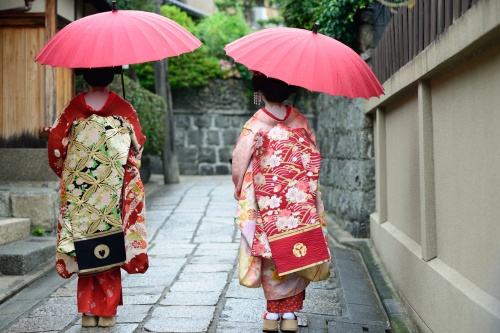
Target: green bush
x,y
197,68
335,17
194,69
152,111
179,16
146,74
220,29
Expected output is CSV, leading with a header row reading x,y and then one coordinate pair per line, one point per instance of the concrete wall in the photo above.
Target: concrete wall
x,y
437,142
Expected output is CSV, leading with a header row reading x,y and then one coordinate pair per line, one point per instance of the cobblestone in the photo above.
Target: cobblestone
x,y
192,283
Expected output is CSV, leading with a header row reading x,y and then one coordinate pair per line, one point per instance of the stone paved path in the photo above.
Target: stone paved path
x,y
192,285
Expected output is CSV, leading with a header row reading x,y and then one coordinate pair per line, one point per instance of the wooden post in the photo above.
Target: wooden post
x,y
162,86
50,72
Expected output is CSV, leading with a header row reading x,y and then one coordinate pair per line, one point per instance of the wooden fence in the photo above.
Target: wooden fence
x,y
412,30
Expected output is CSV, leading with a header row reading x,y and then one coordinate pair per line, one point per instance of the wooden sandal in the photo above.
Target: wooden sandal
x,y
289,325
89,321
270,325
107,321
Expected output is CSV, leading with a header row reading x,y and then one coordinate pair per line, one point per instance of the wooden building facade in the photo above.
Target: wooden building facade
x,y
31,95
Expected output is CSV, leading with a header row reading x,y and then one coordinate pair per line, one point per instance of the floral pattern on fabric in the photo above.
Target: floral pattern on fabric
x,y
100,294
289,304
93,177
286,171
256,271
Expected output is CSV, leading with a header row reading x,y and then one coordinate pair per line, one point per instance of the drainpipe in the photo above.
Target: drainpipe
x,y
28,4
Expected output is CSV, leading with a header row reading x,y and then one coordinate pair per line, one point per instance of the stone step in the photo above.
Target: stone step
x,y
22,256
14,229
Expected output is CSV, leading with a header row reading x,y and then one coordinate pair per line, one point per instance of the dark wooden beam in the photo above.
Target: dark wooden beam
x,y
50,73
36,20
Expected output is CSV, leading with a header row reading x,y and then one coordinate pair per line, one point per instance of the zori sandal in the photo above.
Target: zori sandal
x,y
289,325
107,321
270,325
89,321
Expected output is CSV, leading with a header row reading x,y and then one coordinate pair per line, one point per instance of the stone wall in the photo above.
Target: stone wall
x,y
208,122
28,187
345,137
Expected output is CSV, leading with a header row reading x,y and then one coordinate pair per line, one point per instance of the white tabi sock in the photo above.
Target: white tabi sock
x,y
288,315
272,316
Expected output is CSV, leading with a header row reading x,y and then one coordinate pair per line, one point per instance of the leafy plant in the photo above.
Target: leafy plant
x,y
146,5
299,14
146,74
336,18
194,69
152,112
38,231
216,32
179,16
220,29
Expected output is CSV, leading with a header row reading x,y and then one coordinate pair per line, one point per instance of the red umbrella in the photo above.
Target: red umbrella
x,y
308,59
116,38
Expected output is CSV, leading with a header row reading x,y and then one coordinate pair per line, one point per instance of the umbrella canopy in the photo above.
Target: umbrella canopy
x,y
116,38
307,59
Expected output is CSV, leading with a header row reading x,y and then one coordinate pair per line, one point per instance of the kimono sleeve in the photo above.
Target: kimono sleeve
x,y
58,144
310,132
242,154
138,138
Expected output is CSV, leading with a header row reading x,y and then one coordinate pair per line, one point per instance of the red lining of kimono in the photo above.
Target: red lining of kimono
x,y
110,98
288,111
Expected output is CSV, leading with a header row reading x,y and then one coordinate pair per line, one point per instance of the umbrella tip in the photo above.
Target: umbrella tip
x,y
315,27
113,6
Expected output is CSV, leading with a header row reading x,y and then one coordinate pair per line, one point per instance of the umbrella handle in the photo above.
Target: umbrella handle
x,y
123,86
295,98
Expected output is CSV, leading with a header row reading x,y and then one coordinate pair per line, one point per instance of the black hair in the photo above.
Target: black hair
x,y
274,90
98,77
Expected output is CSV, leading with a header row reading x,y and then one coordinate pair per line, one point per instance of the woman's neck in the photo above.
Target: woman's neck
x,y
276,109
97,97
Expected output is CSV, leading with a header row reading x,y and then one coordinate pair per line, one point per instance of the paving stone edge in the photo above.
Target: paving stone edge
x,y
29,278
389,298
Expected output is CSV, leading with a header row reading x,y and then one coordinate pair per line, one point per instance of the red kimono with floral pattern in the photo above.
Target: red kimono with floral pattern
x,y
256,265
74,155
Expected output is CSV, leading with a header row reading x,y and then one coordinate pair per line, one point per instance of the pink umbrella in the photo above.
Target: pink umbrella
x,y
307,59
116,38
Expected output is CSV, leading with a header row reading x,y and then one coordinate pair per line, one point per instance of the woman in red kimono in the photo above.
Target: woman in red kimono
x,y
95,148
275,169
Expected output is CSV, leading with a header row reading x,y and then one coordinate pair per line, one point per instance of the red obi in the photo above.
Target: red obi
x,y
286,167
